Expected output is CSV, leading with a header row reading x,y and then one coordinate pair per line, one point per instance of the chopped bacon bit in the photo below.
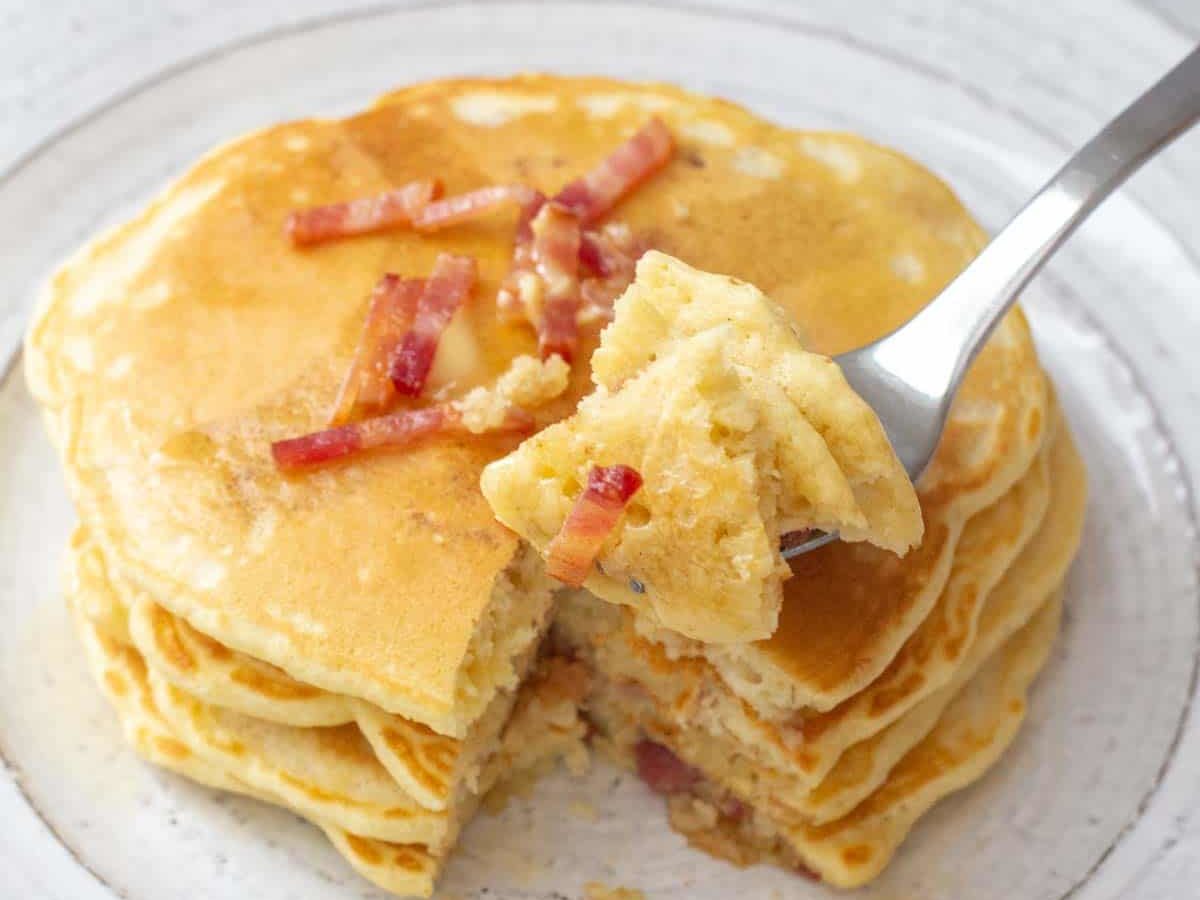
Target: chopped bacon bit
x,y
592,255
508,301
390,209
556,239
394,430
805,872
471,205
611,254
399,429
662,770
629,165
734,809
448,286
574,549
558,332
389,317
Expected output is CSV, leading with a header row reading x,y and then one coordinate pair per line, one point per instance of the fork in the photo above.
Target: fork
x,y
910,377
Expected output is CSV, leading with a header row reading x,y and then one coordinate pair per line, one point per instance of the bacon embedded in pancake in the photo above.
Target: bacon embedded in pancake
x,y
596,513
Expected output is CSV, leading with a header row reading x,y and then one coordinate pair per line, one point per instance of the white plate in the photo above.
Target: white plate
x,y
1097,797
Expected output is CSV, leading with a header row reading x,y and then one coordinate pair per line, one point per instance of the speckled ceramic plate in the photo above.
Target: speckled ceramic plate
x,y
1097,798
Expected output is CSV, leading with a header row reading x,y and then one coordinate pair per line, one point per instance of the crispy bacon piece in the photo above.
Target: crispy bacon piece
x,y
398,429
610,254
733,809
574,549
471,205
662,770
509,301
805,872
556,236
389,317
448,286
390,209
629,165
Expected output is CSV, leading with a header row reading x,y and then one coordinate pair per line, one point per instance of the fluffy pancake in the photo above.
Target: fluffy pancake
x,y
223,697
366,617
639,691
173,349
408,870
1042,565
544,727
712,725
972,733
970,736
739,435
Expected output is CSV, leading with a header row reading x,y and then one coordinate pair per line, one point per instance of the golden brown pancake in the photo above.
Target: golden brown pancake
x,y
639,691
739,435
171,351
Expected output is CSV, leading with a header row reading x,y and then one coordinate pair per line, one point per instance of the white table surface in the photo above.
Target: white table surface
x,y
62,59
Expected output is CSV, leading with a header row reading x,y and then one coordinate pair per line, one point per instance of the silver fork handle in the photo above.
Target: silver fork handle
x,y
947,334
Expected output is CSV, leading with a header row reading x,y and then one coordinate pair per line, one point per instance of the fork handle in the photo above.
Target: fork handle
x,y
949,332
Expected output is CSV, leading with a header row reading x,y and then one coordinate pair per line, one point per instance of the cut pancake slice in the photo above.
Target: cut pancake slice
x,y
748,807
120,671
216,683
544,727
670,303
1042,565
967,740
849,608
701,696
722,423
688,706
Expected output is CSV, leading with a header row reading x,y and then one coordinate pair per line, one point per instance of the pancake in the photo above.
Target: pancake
x,y
991,541
739,435
1041,566
972,733
639,692
227,693
342,642
544,727
163,408
407,870
710,725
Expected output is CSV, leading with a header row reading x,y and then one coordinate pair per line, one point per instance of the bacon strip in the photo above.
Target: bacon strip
x,y
629,165
574,550
448,286
556,241
390,209
395,430
662,770
389,317
509,301
471,205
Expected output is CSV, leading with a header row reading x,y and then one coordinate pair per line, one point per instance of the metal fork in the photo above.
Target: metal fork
x,y
910,376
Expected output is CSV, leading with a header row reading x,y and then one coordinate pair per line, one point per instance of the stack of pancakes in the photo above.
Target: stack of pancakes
x,y
352,643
